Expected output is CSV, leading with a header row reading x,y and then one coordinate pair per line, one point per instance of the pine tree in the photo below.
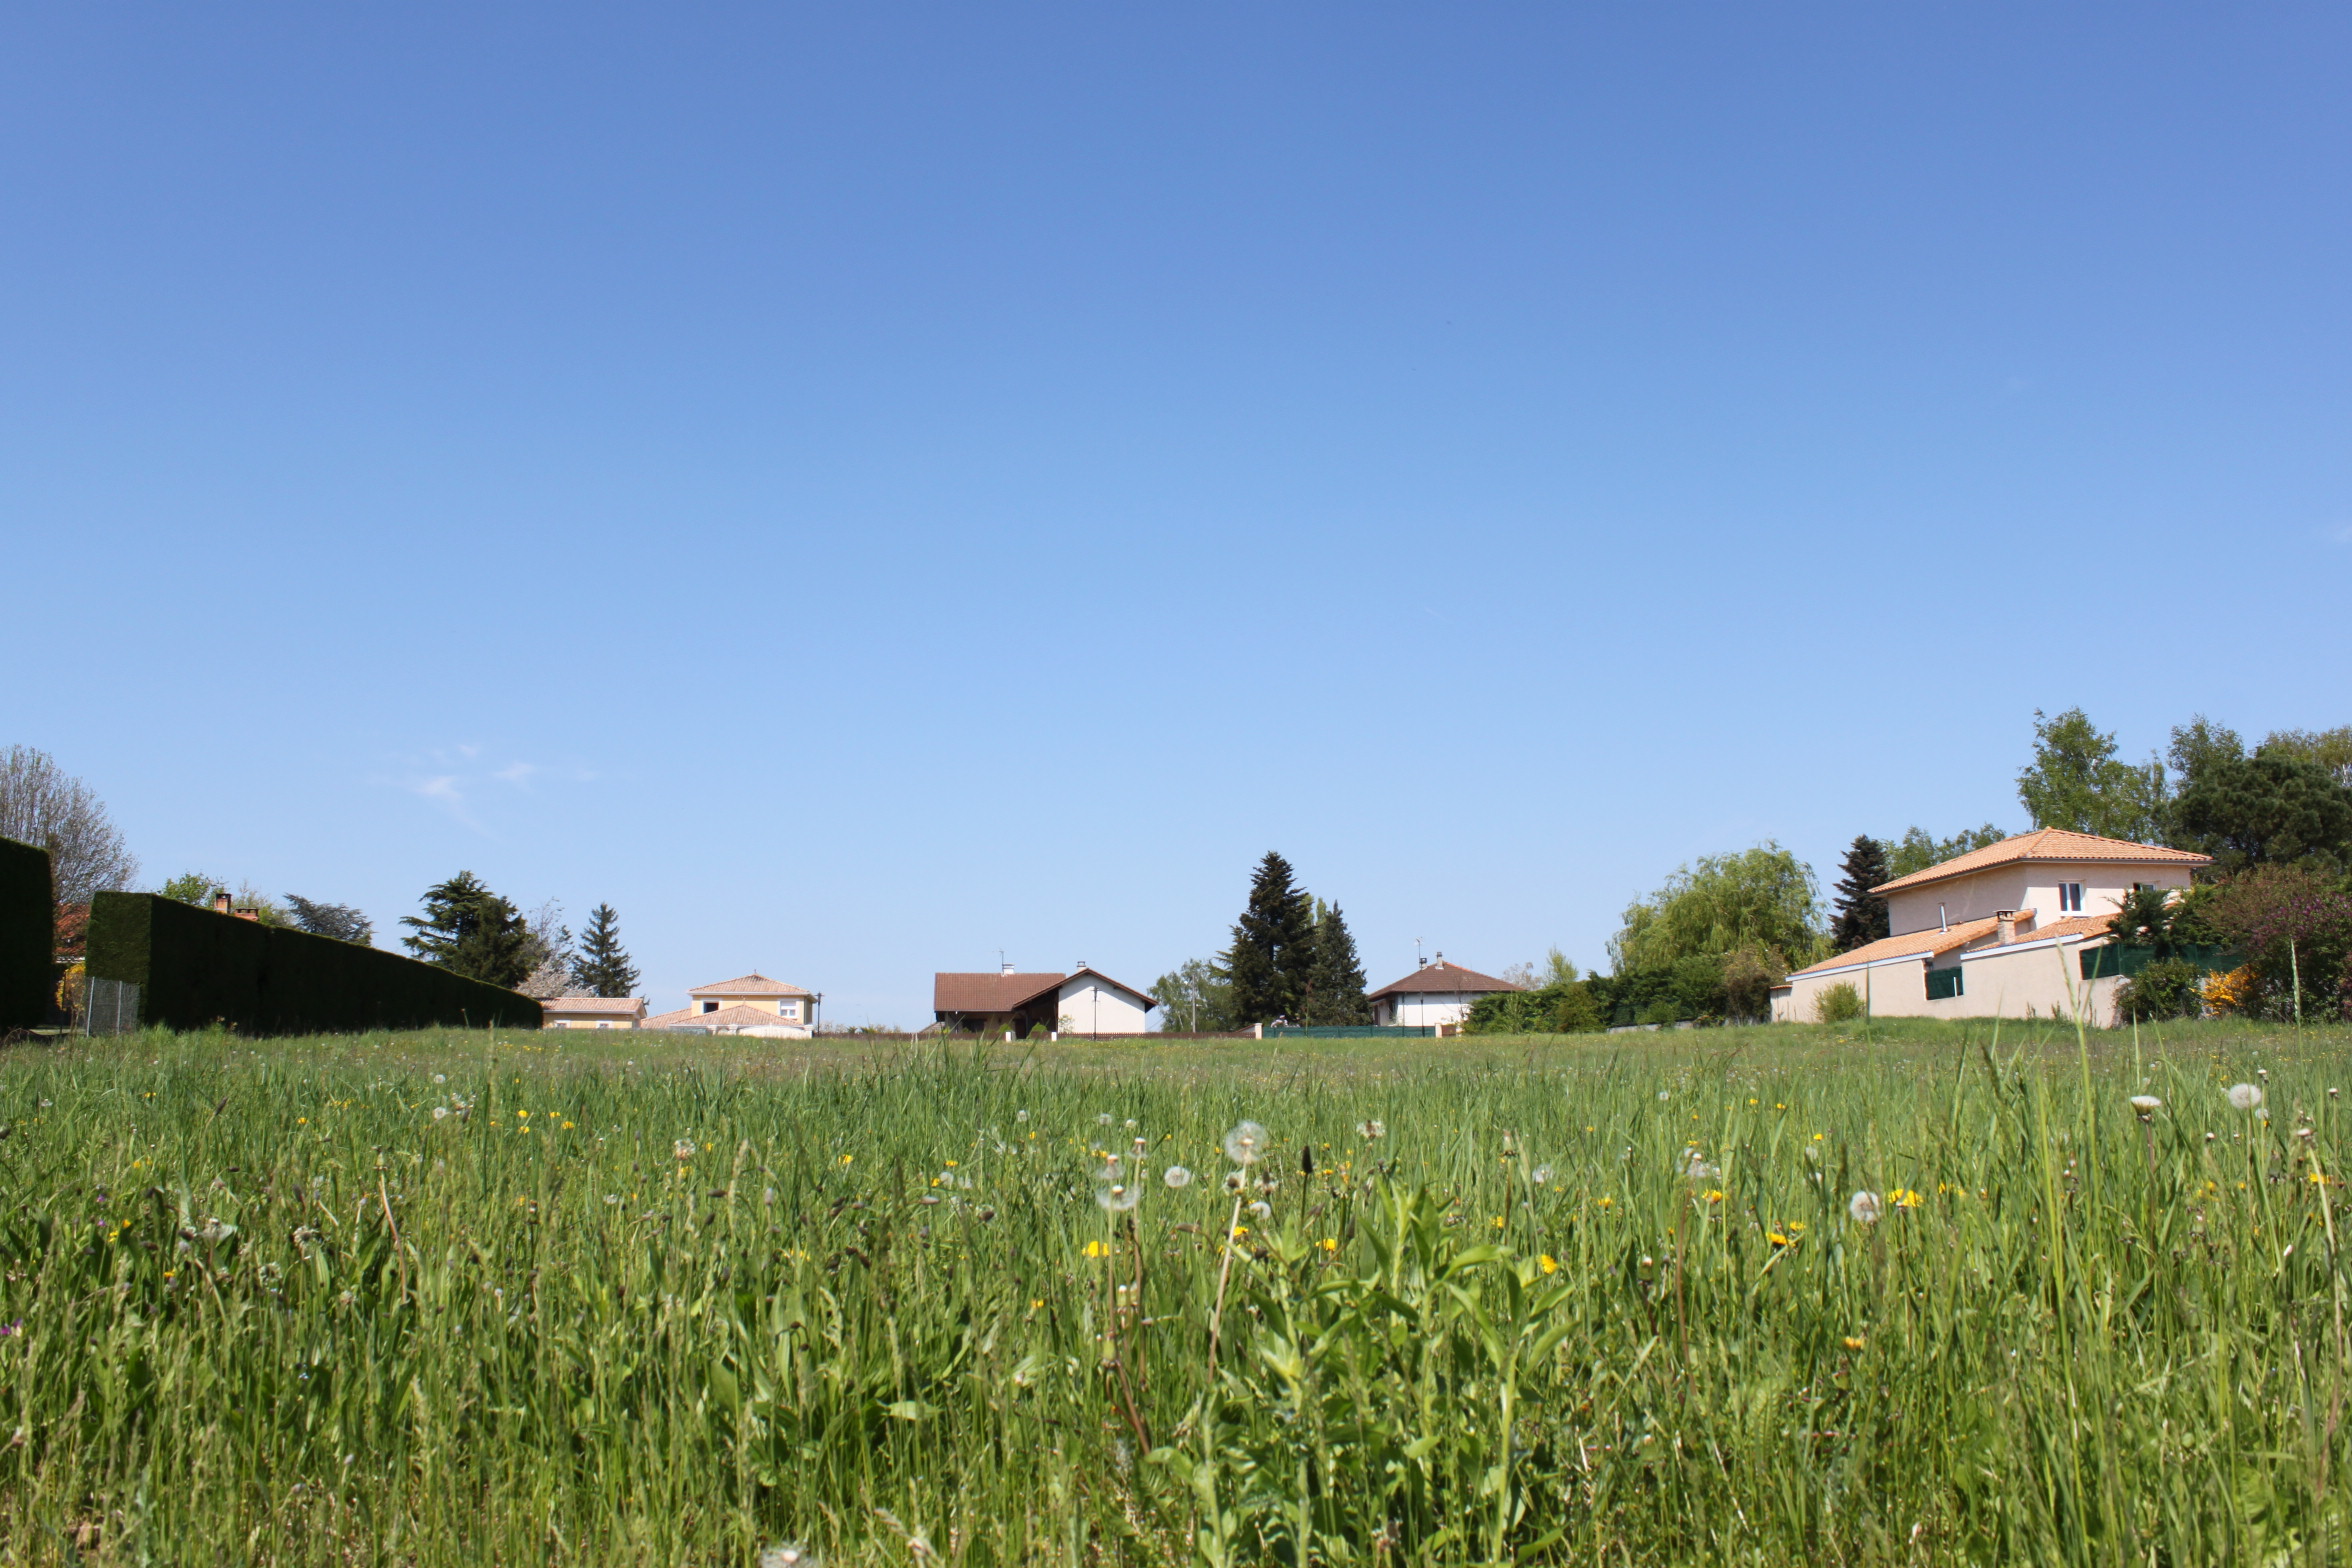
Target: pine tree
x,y
469,930
1272,946
1861,915
603,967
1334,989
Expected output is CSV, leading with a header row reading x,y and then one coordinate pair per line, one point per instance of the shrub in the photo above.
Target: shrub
x,y
2167,988
1837,1004
194,967
28,912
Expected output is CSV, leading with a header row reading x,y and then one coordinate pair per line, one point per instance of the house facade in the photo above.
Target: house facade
x,y
749,1004
592,1012
1996,933
1085,1002
1437,994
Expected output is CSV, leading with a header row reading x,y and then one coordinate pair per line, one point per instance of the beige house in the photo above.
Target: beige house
x,y
749,1004
1436,995
1996,933
592,1012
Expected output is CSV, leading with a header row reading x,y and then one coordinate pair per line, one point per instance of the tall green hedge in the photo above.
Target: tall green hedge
x,y
195,967
28,935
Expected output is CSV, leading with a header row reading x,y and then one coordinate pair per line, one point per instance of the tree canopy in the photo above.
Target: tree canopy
x,y
602,967
469,930
1762,899
2076,781
1861,915
1272,955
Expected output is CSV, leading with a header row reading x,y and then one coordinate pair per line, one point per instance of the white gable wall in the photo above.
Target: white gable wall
x,y
1093,1005
2030,885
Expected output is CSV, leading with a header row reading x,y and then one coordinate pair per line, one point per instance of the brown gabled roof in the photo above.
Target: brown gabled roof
x,y
1444,979
593,1004
2049,844
748,985
989,991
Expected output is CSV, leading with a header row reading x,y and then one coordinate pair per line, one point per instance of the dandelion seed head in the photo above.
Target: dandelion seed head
x,y
1245,1143
1262,1209
1117,1197
1541,1176
1865,1208
2245,1096
683,1148
1235,1181
1176,1176
2145,1103
789,1555
1102,1118
1368,1131
440,1111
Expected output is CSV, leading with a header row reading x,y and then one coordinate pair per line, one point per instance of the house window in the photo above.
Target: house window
x,y
789,1010
710,1007
1944,984
2070,898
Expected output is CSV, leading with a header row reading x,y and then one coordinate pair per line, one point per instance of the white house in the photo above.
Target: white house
x,y
1996,933
1086,1002
748,1004
1436,994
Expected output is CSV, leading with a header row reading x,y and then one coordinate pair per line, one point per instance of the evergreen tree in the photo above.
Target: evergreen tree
x,y
1861,915
603,967
469,930
1272,946
1334,989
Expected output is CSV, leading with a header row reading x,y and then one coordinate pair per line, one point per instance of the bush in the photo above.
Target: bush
x,y
1838,1004
2167,988
28,915
194,967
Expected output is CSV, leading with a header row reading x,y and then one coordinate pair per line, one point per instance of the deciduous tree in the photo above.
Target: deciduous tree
x,y
2077,782
42,804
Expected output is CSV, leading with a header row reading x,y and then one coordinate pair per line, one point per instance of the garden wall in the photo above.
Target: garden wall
x,y
28,936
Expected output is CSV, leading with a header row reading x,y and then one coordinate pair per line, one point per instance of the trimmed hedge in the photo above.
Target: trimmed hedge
x,y
28,936
195,967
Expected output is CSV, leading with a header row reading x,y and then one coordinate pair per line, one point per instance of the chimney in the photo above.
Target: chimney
x,y
2005,926
220,901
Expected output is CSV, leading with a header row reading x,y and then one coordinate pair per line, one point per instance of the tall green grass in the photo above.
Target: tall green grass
x,y
462,1299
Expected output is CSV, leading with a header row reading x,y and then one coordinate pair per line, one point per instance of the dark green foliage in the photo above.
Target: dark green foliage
x,y
194,968
1196,997
28,935
1334,989
340,921
471,931
1919,849
1273,948
2168,988
1861,915
2165,923
2273,808
1563,1007
603,967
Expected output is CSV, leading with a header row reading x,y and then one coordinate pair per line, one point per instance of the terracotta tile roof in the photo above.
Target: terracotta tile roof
x,y
1444,979
593,1004
1912,944
989,991
725,1018
2049,844
2072,925
747,985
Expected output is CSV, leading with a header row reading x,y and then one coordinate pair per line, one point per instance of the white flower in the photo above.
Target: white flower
x,y
1020,1116
2244,1096
1176,1176
683,1148
440,1111
1865,1207
1662,1093
1541,1175
1130,1124
1245,1143
2145,1103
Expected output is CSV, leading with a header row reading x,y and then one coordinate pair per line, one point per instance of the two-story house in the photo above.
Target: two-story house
x,y
1997,932
748,1004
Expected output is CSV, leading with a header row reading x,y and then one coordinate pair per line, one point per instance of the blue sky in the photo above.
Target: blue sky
x,y
864,488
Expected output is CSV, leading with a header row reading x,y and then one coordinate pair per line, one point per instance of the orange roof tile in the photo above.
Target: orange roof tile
x,y
592,1004
1912,944
737,1017
1443,979
747,985
2049,844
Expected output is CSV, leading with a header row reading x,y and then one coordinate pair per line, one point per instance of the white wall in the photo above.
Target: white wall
x,y
2027,885
1091,1005
1419,1009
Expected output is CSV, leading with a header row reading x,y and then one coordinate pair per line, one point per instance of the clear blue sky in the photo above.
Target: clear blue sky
x,y
865,487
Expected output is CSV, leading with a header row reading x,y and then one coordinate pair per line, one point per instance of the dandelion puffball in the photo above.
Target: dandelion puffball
x,y
1245,1143
1235,1181
1371,1130
2144,1103
440,1111
1865,1208
1541,1175
1262,1209
1117,1196
1102,1118
1176,1176
683,1148
790,1555
2245,1096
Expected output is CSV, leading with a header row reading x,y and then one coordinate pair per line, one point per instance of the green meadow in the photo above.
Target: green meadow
x,y
1920,1293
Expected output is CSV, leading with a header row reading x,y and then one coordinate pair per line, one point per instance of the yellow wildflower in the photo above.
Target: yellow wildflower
x,y
1329,1244
1854,1342
1098,1249
1548,1263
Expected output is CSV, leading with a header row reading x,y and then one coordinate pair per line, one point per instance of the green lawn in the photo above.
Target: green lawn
x,y
589,1297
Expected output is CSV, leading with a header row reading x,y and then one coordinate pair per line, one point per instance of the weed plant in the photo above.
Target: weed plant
x,y
1933,1295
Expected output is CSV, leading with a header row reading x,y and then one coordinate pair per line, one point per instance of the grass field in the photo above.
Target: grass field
x,y
556,1298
